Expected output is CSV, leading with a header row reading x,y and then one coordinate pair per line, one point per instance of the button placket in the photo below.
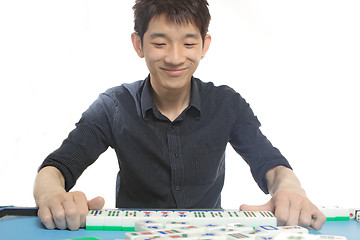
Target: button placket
x,y
175,163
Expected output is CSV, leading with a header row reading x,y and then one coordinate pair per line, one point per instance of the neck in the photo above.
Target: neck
x,y
172,102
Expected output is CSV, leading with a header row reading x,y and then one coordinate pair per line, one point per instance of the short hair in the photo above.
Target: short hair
x,y
176,11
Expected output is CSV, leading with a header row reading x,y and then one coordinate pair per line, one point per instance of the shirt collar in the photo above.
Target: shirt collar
x,y
146,100
148,104
195,100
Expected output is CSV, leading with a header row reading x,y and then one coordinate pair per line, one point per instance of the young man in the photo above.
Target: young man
x,y
169,132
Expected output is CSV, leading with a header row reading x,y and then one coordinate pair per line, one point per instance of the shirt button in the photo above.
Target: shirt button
x,y
172,126
176,155
177,187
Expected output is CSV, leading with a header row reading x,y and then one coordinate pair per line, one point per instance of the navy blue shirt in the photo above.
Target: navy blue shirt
x,y
165,164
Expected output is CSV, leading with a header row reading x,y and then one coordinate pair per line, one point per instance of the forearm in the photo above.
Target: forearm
x,y
49,182
283,179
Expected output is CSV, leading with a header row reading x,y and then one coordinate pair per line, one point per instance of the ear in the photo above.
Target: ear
x,y
207,41
136,41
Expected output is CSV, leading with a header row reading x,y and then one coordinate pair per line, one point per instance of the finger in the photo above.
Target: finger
x,y
246,207
305,218
319,220
72,215
93,204
294,214
58,213
282,211
96,203
82,206
266,207
46,217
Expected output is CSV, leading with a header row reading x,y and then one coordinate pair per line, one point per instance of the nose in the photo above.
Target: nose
x,y
175,55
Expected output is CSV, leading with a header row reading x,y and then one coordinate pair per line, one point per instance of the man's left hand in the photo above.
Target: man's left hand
x,y
291,209
289,202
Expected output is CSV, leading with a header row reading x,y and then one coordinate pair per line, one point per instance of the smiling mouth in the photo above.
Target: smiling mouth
x,y
174,72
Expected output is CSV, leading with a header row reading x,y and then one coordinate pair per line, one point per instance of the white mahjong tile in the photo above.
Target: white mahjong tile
x,y
240,227
218,217
183,216
236,217
164,233
328,237
113,219
232,236
352,213
164,216
293,229
95,220
256,233
201,217
167,232
150,238
252,218
291,236
191,229
228,217
175,224
136,235
151,228
335,211
183,236
210,236
267,230
147,215
212,226
224,230
272,232
266,218
129,218
148,225
269,238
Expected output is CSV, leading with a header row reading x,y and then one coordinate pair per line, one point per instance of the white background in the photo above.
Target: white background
x,y
296,62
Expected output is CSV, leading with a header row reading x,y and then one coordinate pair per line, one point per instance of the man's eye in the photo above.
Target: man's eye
x,y
159,44
190,44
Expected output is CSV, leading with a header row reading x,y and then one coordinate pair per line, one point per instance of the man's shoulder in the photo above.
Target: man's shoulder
x,y
125,90
212,90
133,87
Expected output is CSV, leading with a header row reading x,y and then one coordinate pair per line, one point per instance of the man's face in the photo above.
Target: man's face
x,y
172,53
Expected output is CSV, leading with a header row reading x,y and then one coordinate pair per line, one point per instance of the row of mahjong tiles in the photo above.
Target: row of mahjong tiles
x,y
191,225
229,232
116,219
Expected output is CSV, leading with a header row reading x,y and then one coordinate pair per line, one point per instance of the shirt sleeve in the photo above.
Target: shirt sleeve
x,y
91,137
253,146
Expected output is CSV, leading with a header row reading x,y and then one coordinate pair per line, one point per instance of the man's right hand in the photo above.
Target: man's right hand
x,y
58,208
68,210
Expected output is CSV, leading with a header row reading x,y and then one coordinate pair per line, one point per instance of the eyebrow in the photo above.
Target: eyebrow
x,y
192,35
163,35
156,35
